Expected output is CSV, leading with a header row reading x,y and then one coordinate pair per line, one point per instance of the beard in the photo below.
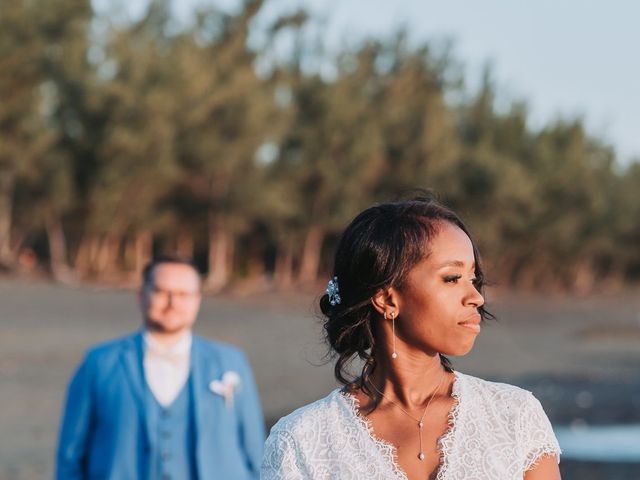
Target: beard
x,y
165,325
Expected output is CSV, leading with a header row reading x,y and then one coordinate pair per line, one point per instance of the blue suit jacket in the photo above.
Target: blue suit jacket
x,y
107,433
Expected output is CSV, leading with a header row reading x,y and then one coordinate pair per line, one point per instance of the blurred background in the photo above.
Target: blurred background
x,y
248,133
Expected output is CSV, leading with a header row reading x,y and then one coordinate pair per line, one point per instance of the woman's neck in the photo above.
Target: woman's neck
x,y
410,380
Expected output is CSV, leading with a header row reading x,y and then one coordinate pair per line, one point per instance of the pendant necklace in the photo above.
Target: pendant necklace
x,y
419,422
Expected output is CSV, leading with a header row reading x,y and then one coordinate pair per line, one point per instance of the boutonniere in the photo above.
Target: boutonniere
x,y
226,386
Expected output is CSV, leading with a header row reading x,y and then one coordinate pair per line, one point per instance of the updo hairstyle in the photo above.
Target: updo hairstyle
x,y
377,251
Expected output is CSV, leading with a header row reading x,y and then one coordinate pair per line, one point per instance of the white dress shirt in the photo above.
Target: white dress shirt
x,y
166,367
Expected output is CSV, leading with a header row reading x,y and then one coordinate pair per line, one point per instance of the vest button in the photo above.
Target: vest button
x,y
165,456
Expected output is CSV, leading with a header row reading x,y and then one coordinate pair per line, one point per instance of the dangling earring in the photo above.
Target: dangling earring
x,y
393,331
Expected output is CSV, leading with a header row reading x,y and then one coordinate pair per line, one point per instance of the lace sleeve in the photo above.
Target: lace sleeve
x,y
536,434
280,458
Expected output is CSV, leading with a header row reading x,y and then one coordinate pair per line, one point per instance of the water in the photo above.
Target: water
x,y
609,443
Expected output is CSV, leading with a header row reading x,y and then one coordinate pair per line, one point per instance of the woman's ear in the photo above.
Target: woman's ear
x,y
384,301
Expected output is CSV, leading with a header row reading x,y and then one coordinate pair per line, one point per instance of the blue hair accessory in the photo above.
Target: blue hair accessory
x,y
334,292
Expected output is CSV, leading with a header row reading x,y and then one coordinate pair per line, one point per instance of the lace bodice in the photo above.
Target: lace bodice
x,y
496,431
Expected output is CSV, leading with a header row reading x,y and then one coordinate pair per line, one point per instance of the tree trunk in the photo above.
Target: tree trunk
x,y
7,184
184,245
82,261
283,274
230,255
584,279
107,256
310,262
220,254
144,251
92,253
57,246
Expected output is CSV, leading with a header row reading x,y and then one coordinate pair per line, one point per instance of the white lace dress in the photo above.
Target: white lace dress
x,y
496,432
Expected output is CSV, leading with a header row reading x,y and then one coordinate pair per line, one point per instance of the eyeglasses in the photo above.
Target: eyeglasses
x,y
162,295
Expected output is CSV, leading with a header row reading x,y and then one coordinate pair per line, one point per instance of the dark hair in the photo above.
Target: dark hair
x,y
376,251
149,268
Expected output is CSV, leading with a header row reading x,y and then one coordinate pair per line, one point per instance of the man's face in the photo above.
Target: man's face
x,y
171,299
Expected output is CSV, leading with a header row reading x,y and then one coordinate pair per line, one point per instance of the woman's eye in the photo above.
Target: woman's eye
x,y
452,278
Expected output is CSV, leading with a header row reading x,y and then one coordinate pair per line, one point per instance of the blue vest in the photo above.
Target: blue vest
x,y
172,453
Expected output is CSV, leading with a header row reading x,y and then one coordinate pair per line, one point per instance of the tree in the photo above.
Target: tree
x,y
225,116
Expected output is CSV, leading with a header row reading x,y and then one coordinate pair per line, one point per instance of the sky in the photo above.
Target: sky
x,y
564,58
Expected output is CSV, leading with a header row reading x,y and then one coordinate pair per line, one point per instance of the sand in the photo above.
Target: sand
x,y
580,356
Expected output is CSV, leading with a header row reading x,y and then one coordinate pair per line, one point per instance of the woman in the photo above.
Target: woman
x,y
407,290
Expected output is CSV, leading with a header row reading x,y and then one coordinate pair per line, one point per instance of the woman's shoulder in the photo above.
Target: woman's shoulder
x,y
490,387
310,416
502,402
503,415
495,393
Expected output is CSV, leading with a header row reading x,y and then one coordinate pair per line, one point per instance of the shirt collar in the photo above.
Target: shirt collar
x,y
181,347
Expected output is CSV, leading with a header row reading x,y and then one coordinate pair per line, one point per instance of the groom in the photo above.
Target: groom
x,y
163,403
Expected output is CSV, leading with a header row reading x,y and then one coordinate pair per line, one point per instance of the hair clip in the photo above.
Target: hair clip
x,y
333,290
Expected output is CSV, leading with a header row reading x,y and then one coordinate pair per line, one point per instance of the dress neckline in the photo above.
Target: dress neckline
x,y
389,451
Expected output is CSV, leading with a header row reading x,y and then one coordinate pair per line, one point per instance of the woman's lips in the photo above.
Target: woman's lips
x,y
472,323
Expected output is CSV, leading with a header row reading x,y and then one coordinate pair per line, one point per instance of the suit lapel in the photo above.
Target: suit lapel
x,y
204,369
132,359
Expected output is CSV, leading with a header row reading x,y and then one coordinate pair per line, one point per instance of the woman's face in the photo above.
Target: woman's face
x,y
437,307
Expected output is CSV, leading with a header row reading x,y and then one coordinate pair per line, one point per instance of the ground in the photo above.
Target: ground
x,y
580,356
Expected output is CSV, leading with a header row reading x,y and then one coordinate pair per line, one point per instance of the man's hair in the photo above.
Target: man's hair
x,y
147,272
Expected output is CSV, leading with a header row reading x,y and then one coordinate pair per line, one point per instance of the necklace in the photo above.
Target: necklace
x,y
419,421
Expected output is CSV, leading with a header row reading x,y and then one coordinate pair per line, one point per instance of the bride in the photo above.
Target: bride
x,y
406,291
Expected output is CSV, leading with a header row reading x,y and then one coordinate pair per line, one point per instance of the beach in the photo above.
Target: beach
x,y
580,357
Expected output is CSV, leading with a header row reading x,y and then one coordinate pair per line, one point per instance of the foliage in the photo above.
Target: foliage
x,y
121,138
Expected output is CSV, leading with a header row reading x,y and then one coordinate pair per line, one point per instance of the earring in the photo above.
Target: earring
x,y
393,331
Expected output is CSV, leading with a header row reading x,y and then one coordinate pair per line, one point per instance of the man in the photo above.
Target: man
x,y
163,403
